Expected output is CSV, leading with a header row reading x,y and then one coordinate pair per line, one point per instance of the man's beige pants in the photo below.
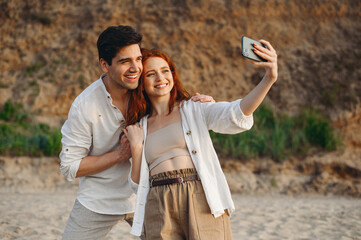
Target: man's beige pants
x,y
180,211
84,224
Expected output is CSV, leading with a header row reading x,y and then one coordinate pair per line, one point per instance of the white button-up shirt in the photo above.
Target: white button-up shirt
x,y
197,120
92,129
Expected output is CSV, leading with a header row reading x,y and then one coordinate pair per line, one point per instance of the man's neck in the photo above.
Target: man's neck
x,y
116,92
120,96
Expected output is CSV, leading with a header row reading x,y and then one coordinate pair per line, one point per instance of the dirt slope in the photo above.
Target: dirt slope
x,y
48,51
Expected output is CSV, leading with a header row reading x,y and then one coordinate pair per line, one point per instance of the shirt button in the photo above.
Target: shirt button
x,y
189,133
194,151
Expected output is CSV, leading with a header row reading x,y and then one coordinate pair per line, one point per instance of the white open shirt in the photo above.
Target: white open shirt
x,y
197,119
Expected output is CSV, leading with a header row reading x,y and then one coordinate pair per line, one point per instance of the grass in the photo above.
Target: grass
x,y
13,113
19,137
273,135
279,135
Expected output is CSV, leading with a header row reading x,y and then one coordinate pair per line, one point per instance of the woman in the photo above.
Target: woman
x,y
182,192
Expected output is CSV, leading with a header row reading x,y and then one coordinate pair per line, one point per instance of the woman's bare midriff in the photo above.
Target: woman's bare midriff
x,y
176,163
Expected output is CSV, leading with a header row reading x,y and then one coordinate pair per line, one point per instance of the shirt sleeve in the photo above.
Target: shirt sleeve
x,y
132,184
226,117
76,142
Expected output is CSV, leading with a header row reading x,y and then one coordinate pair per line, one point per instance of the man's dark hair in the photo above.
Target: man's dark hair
x,y
114,38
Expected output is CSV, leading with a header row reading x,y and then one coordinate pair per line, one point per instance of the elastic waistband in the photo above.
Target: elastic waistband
x,y
174,174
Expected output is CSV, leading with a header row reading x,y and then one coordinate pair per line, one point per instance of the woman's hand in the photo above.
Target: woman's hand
x,y
271,56
135,136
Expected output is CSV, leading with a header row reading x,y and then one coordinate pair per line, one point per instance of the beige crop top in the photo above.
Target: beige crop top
x,y
165,143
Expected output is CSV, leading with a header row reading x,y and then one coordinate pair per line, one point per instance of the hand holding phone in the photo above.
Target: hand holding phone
x,y
266,56
247,49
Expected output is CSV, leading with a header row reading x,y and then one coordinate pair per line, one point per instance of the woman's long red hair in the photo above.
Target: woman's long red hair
x,y
139,103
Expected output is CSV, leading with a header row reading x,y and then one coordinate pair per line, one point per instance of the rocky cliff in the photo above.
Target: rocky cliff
x,y
48,51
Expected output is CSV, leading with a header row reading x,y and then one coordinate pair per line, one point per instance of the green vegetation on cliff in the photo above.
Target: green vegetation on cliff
x,y
19,137
274,135
279,135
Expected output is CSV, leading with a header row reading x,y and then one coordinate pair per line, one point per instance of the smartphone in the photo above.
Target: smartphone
x,y
247,49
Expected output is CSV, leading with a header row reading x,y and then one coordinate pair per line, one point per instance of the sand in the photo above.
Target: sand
x,y
36,200
42,214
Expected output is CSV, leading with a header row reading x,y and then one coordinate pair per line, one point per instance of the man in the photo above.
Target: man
x,y
92,149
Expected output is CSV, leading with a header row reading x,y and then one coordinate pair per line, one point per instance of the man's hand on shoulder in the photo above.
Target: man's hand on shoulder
x,y
202,98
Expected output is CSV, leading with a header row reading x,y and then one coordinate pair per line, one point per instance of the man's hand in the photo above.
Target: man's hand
x,y
95,164
202,98
124,149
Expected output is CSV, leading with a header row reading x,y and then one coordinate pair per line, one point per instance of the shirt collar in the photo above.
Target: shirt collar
x,y
103,85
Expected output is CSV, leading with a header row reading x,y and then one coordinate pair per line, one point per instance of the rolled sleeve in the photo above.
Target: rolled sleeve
x,y
69,169
76,141
226,117
243,121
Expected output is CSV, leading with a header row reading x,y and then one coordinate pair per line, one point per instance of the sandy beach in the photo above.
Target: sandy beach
x,y
36,200
43,215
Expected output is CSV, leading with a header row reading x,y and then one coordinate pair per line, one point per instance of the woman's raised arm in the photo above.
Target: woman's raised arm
x,y
251,102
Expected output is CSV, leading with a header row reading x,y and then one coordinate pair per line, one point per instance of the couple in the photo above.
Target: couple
x,y
181,190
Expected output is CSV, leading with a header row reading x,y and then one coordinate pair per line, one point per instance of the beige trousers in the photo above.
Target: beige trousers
x,y
84,224
180,211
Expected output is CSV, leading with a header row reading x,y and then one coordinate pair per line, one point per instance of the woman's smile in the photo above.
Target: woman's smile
x,y
159,86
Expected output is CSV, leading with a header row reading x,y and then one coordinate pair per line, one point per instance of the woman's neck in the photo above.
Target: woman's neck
x,y
160,106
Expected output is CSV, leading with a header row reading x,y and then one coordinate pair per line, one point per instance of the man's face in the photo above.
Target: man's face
x,y
126,68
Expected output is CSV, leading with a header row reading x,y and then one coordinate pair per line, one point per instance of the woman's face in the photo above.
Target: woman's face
x,y
158,78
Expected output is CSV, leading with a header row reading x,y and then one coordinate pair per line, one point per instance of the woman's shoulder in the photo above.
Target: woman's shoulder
x,y
190,104
186,104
